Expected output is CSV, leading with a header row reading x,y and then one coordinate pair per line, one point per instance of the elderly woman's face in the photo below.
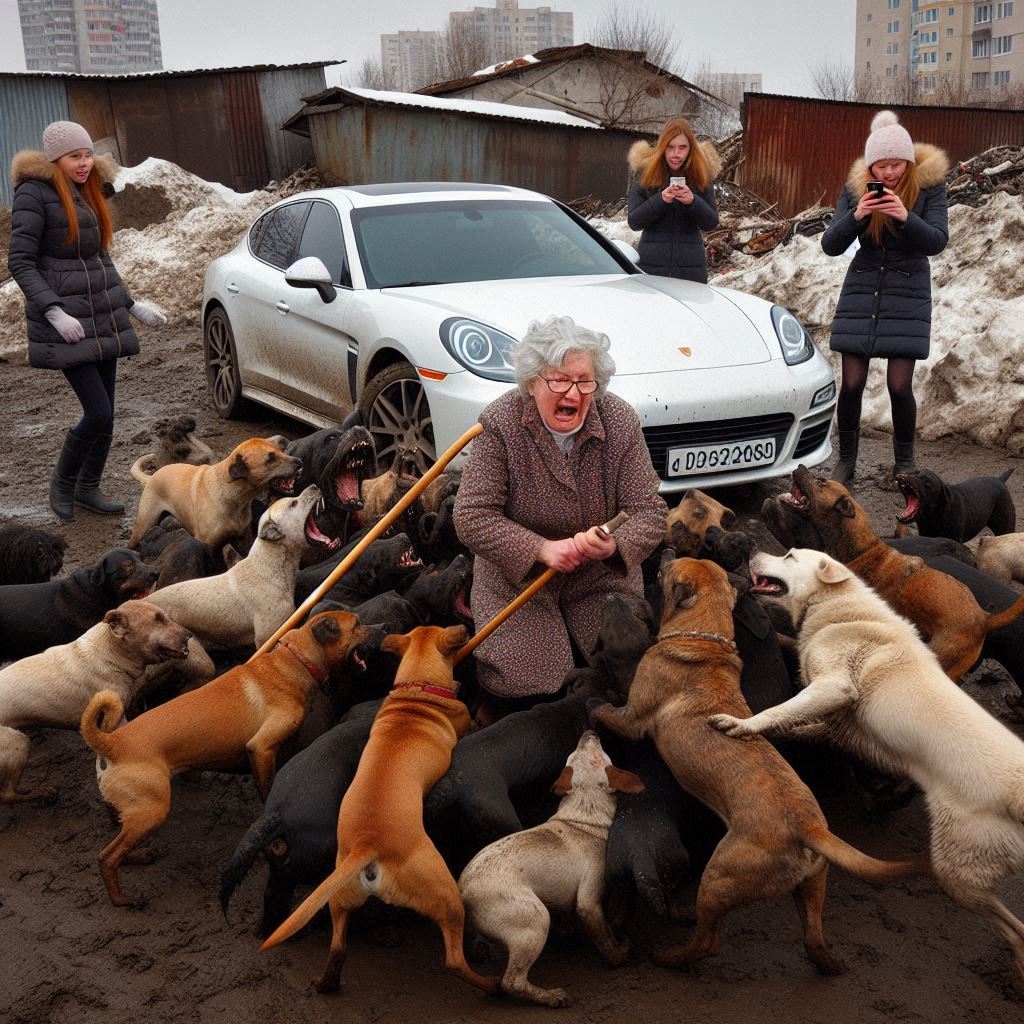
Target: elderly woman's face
x,y
564,413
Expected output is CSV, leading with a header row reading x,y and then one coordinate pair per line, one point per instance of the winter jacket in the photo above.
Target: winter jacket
x,y
885,307
670,240
518,490
77,276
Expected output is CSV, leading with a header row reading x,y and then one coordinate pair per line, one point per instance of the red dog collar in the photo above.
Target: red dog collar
x,y
437,691
313,670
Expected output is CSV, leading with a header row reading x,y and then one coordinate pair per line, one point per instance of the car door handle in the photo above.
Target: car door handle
x,y
281,307
232,288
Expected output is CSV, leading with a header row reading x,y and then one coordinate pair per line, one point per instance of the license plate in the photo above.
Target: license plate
x,y
719,458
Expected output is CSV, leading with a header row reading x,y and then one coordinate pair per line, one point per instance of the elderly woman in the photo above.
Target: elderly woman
x,y
558,457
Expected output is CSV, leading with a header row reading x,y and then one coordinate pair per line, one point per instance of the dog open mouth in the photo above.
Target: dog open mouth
x,y
284,485
408,560
796,500
911,497
355,467
314,535
771,586
173,653
460,603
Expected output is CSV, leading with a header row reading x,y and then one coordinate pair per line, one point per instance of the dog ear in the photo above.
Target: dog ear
x,y
831,571
231,555
239,468
684,594
623,781
326,628
453,638
845,507
563,783
270,531
117,621
683,539
395,643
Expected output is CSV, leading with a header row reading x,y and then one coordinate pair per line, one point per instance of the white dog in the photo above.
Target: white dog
x,y
508,886
873,687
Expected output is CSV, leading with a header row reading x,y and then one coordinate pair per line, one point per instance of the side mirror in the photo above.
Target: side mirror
x,y
626,249
310,272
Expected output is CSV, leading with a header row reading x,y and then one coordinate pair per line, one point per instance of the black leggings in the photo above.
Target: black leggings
x,y
899,378
94,385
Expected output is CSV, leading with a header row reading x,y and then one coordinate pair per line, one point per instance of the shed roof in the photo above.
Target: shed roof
x,y
172,74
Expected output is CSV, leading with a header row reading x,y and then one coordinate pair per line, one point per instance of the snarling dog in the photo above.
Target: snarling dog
x,y
241,716
440,594
34,616
960,511
875,689
29,554
944,610
509,886
212,502
53,688
178,443
689,521
778,840
383,850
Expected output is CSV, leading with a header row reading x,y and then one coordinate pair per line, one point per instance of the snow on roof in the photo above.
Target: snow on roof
x,y
505,65
485,107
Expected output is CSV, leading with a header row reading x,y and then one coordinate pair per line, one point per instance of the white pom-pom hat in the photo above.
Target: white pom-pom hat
x,y
888,140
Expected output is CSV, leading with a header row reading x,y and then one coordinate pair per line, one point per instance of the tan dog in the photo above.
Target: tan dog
x,y
1002,557
689,521
508,886
778,840
246,713
212,502
52,688
383,850
874,688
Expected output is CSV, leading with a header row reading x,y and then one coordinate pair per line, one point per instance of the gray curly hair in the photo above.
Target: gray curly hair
x,y
550,342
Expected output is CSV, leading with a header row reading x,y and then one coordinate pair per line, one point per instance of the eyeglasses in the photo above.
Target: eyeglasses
x,y
562,385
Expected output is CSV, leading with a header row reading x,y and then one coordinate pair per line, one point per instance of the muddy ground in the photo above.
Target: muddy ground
x,y
68,955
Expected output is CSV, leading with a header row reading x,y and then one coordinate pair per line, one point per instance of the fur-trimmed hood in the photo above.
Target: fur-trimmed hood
x,y
641,152
932,166
32,165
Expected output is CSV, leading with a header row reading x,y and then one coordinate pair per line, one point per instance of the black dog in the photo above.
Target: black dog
x,y
34,616
441,595
29,554
386,564
960,511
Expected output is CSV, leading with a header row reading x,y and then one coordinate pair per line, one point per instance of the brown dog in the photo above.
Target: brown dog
x,y
689,521
778,840
953,623
212,502
249,711
383,850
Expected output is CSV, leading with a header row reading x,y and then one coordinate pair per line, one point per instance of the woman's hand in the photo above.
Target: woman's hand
x,y
683,194
892,206
146,314
594,544
70,329
869,203
561,555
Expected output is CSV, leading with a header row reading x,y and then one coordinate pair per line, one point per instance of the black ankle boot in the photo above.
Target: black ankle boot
x,y
903,451
845,468
65,475
87,490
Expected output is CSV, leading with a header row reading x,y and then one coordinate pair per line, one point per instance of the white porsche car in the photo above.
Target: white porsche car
x,y
405,301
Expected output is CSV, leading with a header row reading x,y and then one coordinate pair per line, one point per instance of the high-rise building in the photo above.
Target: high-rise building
x,y
91,36
512,31
730,85
409,59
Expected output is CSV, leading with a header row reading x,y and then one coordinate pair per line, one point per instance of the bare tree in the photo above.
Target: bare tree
x,y
463,50
834,81
373,75
634,27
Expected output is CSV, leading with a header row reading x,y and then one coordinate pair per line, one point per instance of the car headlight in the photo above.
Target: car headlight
x,y
480,349
794,340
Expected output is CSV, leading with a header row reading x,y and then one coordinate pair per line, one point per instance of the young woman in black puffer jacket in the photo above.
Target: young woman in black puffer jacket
x,y
670,216
75,302
885,307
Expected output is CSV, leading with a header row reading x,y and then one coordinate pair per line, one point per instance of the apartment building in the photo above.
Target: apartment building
x,y
955,51
90,36
730,85
511,31
409,59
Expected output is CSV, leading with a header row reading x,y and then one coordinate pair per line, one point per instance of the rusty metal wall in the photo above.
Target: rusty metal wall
x,y
27,106
279,92
245,124
89,103
367,143
797,151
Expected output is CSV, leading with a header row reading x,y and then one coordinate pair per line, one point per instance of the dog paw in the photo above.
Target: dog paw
x,y
734,727
556,998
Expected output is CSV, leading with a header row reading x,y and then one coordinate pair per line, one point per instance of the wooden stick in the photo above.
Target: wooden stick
x,y
353,556
478,638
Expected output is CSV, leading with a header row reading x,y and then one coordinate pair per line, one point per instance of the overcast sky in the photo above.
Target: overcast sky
x,y
782,39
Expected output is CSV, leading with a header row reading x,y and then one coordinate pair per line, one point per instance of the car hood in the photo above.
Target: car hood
x,y
656,324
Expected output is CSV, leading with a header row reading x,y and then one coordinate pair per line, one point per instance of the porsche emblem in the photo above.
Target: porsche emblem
x,y
686,350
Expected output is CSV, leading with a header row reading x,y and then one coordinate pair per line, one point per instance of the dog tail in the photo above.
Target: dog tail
x,y
261,834
138,469
99,719
1006,473
999,619
852,861
344,873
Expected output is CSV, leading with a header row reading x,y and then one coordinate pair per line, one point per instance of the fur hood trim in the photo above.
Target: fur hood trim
x,y
31,165
641,152
932,165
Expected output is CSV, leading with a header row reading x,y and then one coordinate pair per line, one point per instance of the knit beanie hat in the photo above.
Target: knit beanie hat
x,y
62,137
888,140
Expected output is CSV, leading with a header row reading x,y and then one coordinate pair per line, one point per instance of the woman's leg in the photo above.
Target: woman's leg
x,y
851,392
900,380
94,384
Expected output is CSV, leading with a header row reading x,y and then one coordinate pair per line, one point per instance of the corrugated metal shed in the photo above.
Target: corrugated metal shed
x,y
222,124
798,151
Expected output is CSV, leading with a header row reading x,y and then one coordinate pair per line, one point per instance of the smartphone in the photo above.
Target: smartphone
x,y
877,187
681,180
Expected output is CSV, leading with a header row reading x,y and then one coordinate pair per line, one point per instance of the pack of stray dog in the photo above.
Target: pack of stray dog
x,y
671,766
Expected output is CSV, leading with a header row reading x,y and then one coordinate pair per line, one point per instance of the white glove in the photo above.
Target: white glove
x,y
146,314
70,329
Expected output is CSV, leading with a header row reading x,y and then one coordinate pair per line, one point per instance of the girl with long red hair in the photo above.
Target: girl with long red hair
x,y
76,305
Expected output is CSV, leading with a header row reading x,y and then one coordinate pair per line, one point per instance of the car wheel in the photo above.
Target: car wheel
x,y
397,415
221,359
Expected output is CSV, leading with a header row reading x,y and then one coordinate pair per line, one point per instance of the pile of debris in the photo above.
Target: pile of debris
x,y
1000,169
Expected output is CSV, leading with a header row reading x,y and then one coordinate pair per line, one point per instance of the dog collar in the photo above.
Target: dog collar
x,y
313,670
437,691
729,645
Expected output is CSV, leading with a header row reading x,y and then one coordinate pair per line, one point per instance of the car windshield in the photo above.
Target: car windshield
x,y
474,240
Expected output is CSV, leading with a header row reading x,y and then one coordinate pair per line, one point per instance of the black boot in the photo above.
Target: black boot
x,y
65,475
845,468
87,492
904,454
